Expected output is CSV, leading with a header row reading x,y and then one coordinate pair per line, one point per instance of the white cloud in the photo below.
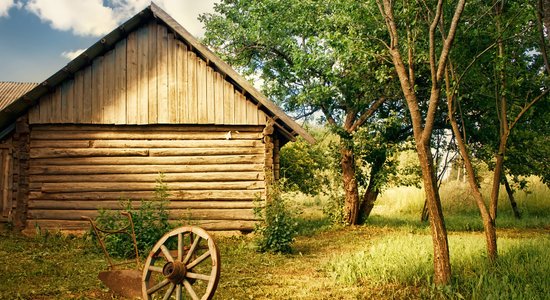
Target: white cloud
x,y
70,55
93,18
186,13
83,17
6,5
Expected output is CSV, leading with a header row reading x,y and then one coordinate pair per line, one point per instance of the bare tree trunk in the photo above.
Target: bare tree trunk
x,y
488,221
425,214
504,130
497,175
372,192
517,213
351,204
442,266
369,198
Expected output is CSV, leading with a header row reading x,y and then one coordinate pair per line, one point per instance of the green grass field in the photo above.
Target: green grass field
x,y
389,258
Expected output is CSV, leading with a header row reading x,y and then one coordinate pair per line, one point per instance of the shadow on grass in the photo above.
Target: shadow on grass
x,y
310,225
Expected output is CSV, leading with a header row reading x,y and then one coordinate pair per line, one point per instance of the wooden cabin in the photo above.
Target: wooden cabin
x,y
146,98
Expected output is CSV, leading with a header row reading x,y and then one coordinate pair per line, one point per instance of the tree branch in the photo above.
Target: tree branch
x,y
364,117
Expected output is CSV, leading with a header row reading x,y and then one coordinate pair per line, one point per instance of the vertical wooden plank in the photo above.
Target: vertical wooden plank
x,y
192,104
34,114
55,115
41,104
97,90
62,117
143,75
87,96
4,180
162,48
78,94
181,71
251,114
210,95
201,92
228,103
153,75
70,102
120,83
131,80
218,94
108,88
44,104
240,108
262,117
172,80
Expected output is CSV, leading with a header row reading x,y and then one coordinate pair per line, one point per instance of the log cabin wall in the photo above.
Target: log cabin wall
x,y
6,179
150,77
214,173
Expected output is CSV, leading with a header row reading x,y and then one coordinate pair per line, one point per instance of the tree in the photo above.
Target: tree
x,y
495,78
416,21
303,166
312,56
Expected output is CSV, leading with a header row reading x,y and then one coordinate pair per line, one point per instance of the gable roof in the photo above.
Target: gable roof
x,y
21,102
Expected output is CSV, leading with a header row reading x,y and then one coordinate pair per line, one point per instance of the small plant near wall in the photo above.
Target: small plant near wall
x,y
278,227
150,219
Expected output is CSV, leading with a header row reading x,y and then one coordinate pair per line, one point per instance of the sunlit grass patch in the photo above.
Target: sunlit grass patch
x,y
521,271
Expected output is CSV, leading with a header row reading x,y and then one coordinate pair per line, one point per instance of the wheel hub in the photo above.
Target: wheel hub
x,y
174,271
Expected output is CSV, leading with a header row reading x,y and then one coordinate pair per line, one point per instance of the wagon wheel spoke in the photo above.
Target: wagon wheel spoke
x,y
192,249
169,292
155,269
158,286
180,246
166,253
198,260
198,276
178,292
190,290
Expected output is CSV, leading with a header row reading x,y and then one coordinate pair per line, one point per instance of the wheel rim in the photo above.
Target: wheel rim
x,y
185,261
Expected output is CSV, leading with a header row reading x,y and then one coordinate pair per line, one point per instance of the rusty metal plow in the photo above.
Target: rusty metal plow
x,y
184,263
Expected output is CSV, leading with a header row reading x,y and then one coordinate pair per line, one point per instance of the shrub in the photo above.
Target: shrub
x,y
278,227
150,220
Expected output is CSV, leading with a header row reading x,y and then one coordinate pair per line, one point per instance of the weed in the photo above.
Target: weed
x,y
150,220
277,228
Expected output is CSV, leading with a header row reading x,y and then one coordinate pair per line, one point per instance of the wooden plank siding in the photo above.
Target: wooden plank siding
x,y
214,173
150,77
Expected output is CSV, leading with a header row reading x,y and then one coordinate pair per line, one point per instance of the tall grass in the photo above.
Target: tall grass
x,y
401,206
406,260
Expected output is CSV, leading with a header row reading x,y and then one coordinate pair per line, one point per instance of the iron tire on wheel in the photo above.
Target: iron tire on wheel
x,y
176,276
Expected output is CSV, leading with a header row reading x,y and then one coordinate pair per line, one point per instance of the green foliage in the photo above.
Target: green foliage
x,y
150,219
277,228
303,167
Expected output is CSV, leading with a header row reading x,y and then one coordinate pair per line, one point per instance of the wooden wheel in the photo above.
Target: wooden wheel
x,y
185,261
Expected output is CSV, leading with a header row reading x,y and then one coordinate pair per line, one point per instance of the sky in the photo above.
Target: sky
x,y
39,37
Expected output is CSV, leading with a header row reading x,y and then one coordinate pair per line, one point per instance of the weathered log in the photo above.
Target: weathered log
x,y
141,169
143,135
74,225
152,177
86,152
192,195
174,214
157,160
142,186
113,204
